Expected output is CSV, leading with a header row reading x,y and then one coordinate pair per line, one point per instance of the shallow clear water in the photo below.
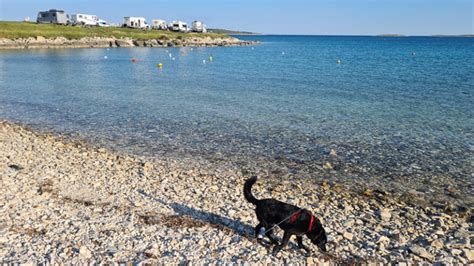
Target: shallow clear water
x,y
396,119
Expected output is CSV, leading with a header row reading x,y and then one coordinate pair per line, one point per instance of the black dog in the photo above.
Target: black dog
x,y
293,220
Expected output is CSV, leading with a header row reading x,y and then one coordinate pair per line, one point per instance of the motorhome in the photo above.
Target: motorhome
x,y
198,26
135,22
179,26
84,19
159,24
53,16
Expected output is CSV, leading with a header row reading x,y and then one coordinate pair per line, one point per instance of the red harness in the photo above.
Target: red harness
x,y
293,219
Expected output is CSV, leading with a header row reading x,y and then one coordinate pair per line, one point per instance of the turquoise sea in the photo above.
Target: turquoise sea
x,y
397,111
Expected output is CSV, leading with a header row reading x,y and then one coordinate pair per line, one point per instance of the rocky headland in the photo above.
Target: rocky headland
x,y
63,200
104,42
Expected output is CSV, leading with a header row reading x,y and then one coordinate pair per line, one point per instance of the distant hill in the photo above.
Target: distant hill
x,y
390,35
235,32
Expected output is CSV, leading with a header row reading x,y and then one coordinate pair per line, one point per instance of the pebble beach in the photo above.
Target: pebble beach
x,y
68,201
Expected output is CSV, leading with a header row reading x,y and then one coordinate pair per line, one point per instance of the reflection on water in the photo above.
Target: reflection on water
x,y
393,119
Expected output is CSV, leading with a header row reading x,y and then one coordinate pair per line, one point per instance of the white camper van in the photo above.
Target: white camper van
x,y
159,24
135,22
198,26
84,19
179,26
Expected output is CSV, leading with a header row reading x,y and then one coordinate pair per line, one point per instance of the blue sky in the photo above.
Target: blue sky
x,y
333,17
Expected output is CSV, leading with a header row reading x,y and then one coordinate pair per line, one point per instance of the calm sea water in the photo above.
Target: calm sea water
x,y
398,111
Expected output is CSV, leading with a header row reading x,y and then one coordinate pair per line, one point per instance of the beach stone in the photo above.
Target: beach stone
x,y
85,253
385,215
437,244
384,240
469,254
310,261
153,251
112,250
456,252
124,43
368,193
327,166
349,223
348,235
421,252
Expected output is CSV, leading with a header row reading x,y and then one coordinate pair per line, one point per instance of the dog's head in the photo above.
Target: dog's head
x,y
318,237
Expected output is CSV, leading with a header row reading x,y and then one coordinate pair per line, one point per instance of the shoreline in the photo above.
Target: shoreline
x,y
109,42
67,201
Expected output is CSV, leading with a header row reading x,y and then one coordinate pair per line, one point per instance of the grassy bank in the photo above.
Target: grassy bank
x,y
15,30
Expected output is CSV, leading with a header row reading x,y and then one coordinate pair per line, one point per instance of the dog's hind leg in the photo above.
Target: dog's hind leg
x,y
270,236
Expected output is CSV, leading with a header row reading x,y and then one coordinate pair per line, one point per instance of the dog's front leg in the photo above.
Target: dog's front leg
x,y
299,239
284,242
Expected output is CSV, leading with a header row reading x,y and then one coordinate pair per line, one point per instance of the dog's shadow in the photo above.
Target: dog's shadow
x,y
220,222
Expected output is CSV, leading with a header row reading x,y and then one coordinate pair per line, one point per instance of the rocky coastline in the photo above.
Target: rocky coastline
x,y
66,201
102,42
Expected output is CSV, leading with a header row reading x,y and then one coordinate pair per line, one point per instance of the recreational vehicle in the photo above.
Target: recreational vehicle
x,y
198,26
84,19
159,24
135,22
179,26
53,16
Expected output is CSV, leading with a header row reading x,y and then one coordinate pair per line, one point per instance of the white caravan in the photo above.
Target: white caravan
x,y
179,26
135,22
84,19
198,26
159,24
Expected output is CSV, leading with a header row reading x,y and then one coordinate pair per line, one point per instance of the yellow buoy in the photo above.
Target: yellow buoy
x,y
211,58
160,65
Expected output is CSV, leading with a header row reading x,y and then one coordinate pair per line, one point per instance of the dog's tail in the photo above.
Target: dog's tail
x,y
248,190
